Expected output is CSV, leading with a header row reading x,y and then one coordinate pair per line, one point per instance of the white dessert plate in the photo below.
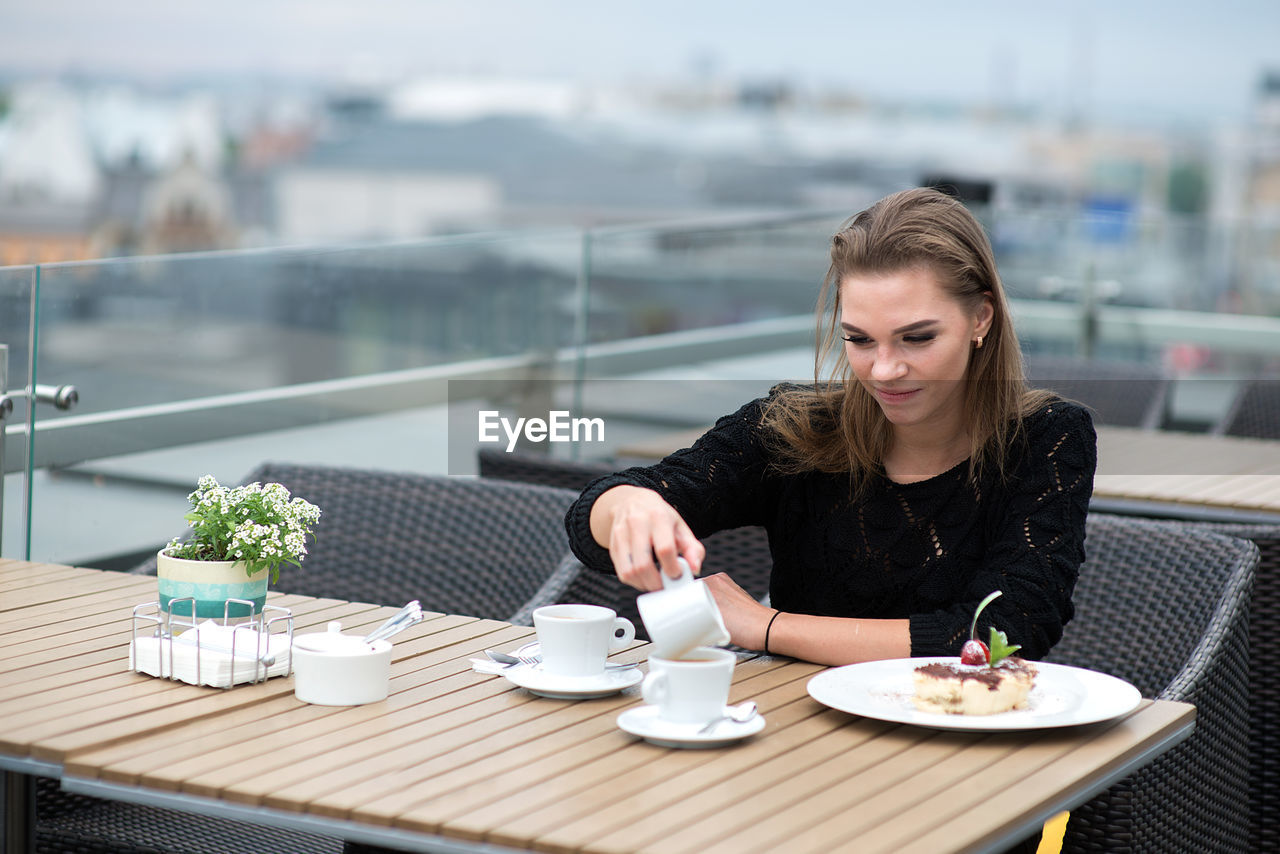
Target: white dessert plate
x,y
1062,696
644,722
534,680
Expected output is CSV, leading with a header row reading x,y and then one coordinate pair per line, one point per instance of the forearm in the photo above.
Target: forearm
x,y
602,511
838,640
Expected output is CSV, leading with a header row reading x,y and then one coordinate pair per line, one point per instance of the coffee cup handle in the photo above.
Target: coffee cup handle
x,y
654,689
628,630
685,577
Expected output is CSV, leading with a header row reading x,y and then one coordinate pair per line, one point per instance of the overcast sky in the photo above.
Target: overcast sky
x,y
1190,57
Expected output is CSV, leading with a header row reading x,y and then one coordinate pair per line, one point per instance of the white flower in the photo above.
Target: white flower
x,y
266,525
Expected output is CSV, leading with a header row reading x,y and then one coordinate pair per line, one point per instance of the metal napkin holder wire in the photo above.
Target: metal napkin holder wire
x,y
166,626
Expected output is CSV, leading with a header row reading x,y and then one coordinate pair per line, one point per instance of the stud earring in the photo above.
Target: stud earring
x,y
977,345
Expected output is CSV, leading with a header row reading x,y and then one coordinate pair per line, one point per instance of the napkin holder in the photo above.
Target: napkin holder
x,y
208,652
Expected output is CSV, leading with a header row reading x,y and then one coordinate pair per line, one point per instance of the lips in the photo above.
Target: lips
x,y
896,395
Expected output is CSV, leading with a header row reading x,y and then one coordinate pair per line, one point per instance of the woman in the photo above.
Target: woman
x,y
898,492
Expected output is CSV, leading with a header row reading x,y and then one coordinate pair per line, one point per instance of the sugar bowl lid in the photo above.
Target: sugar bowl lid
x,y
333,642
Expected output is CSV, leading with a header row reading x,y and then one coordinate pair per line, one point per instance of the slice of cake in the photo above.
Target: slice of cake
x,y
969,689
985,680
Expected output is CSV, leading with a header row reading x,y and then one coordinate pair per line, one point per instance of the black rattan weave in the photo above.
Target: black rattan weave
x,y
1254,412
742,553
108,827
459,545
1125,394
1264,682
580,584
1166,607
541,469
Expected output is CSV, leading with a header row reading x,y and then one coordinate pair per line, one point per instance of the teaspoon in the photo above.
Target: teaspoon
x,y
739,714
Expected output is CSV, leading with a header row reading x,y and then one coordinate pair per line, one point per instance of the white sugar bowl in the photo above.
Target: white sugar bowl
x,y
333,669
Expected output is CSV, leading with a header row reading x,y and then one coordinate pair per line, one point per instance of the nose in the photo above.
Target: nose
x,y
887,365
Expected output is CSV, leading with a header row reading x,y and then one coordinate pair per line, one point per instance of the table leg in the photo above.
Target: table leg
x,y
18,815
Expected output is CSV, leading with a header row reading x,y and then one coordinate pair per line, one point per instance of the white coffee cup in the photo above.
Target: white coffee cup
x,y
681,616
575,640
690,689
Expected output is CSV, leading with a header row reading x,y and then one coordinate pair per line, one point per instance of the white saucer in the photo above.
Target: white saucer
x,y
644,722
535,681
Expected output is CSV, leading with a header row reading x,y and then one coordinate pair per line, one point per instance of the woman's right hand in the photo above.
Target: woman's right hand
x,y
637,524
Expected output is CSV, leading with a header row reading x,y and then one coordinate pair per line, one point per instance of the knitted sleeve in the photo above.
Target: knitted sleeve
x,y
713,485
1035,545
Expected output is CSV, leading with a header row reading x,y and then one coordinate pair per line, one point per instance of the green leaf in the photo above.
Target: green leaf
x,y
1000,647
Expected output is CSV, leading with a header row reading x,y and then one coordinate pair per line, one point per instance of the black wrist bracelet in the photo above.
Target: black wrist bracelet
x,y
767,629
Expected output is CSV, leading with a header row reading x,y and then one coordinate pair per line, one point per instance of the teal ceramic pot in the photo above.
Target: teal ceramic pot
x,y
211,583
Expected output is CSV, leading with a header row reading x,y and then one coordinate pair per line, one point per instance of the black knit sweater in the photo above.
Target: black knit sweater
x,y
927,551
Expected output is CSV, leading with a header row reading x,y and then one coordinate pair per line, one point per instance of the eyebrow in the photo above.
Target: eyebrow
x,y
910,327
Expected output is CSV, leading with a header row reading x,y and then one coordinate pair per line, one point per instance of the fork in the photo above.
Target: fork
x,y
511,659
534,660
524,655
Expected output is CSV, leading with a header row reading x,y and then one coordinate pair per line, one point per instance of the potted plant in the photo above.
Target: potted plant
x,y
240,536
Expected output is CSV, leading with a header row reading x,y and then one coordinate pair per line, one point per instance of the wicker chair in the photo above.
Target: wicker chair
x,y
1254,413
742,553
459,545
81,825
1166,607
1264,681
541,469
1125,394
465,546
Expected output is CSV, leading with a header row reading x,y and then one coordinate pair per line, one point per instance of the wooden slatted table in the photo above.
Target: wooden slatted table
x,y
1227,473
455,759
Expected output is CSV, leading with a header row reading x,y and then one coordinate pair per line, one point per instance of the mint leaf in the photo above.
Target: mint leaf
x,y
1000,647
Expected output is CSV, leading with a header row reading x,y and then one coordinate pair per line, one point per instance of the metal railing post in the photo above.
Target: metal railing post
x,y
6,406
1089,313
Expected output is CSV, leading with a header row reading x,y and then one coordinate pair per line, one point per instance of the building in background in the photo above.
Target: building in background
x,y
1178,217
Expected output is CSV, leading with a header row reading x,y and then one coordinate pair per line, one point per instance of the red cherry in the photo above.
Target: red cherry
x,y
974,652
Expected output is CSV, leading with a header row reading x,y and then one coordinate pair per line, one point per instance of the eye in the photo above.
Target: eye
x,y
923,338
857,340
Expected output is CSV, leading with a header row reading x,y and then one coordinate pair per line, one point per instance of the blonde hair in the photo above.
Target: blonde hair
x,y
837,426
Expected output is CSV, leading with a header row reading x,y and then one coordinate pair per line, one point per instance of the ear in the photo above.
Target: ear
x,y
983,318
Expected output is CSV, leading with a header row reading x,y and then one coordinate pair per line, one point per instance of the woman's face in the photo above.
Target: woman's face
x,y
908,342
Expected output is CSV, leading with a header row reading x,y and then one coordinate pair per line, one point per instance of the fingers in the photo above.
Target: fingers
x,y
646,537
632,542
690,548
631,549
678,542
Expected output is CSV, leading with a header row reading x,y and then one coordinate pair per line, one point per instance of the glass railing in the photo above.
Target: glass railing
x,y
387,356
661,280
212,363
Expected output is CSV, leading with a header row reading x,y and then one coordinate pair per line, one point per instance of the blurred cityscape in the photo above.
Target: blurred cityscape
x,y
96,169
427,229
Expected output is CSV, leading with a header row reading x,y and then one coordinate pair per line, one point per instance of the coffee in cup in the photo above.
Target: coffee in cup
x,y
575,640
690,689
